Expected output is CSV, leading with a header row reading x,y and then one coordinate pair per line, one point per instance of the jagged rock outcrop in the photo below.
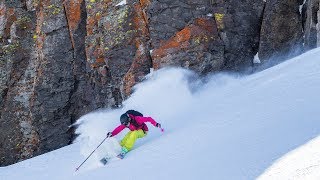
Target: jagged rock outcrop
x,y
311,19
240,24
281,32
117,44
60,59
17,73
234,28
45,85
197,47
178,38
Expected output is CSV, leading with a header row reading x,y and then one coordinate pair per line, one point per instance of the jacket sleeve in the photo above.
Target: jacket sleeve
x,y
118,129
141,120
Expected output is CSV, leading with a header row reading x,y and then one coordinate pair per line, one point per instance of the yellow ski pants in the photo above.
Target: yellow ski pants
x,y
131,137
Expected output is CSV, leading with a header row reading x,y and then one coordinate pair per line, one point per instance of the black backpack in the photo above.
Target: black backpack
x,y
135,113
134,122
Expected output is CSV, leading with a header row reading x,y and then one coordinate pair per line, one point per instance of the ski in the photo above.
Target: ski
x,y
105,160
120,156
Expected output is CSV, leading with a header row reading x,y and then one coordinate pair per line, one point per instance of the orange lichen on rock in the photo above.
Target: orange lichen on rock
x,y
2,10
39,37
96,56
73,11
205,24
139,20
141,25
142,60
129,82
11,17
201,31
181,38
100,60
139,46
90,25
183,35
144,3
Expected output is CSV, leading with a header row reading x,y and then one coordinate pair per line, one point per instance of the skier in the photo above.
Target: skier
x,y
135,121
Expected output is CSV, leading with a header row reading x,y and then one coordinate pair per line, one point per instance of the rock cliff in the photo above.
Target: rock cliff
x,y
60,59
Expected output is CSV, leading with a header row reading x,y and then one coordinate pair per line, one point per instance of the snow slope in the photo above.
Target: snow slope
x,y
230,127
302,163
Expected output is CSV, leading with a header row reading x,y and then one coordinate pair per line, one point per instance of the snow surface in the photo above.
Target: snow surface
x,y
124,2
301,6
302,163
224,127
256,59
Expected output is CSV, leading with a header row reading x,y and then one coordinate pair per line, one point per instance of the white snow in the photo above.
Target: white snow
x,y
301,6
229,128
300,164
124,2
256,59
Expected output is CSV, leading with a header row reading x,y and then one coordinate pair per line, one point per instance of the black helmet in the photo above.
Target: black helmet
x,y
124,119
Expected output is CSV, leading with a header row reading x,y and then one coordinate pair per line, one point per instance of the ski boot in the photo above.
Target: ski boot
x,y
123,152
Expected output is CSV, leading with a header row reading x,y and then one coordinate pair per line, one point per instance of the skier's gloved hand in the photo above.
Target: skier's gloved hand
x,y
158,125
109,134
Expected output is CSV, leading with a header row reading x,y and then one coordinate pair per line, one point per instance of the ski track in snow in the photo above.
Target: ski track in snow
x,y
228,128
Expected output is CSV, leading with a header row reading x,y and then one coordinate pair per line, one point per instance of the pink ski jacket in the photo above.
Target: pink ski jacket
x,y
138,123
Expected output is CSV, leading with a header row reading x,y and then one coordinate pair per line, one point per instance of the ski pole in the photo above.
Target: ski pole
x,y
159,126
90,154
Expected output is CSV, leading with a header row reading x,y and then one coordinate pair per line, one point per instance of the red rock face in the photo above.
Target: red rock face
x,y
60,59
196,39
73,15
141,61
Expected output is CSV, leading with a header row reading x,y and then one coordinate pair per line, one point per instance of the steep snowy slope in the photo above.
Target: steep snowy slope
x,y
228,128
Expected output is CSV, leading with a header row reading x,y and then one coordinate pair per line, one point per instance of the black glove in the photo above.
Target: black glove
x,y
109,134
158,125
